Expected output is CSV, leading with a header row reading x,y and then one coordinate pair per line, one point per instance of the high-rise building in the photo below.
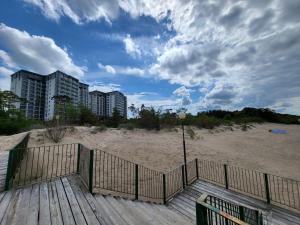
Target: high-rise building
x,y
83,94
43,92
30,86
97,103
117,100
59,84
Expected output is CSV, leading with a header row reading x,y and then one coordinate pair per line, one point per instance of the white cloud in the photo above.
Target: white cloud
x,y
104,87
131,47
122,70
251,46
78,11
147,99
107,68
5,78
185,94
36,53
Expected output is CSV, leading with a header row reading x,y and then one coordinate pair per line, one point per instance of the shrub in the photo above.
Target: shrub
x,y
127,126
244,127
190,132
207,122
149,118
56,133
100,128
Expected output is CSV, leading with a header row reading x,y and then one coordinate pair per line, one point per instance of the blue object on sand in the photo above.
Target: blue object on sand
x,y
278,131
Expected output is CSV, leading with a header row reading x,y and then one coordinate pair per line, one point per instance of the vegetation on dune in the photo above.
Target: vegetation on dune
x,y
13,120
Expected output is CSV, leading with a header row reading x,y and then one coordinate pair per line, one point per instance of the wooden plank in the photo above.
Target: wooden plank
x,y
98,210
55,212
126,214
110,211
21,213
85,207
33,212
77,213
66,211
5,204
10,210
149,214
44,216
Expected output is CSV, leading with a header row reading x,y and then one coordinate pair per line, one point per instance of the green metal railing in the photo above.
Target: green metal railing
x,y
37,164
270,188
102,171
15,158
112,174
211,210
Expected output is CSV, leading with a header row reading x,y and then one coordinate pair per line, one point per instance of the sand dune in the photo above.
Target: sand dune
x,y
255,148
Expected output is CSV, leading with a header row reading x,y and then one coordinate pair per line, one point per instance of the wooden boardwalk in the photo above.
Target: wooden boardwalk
x,y
184,203
66,201
3,168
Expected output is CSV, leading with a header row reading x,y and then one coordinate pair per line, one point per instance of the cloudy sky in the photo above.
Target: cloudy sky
x,y
166,53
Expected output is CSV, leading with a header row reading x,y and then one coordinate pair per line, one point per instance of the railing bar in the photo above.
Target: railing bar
x,y
56,167
24,181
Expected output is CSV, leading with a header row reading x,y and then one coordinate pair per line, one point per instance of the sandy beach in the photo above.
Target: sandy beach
x,y
256,148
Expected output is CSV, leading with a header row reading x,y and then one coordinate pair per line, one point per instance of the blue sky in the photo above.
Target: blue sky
x,y
166,53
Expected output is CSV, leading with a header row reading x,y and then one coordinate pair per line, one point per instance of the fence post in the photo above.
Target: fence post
x,y
197,172
183,176
242,213
226,176
267,188
164,188
8,170
201,216
136,181
91,166
78,158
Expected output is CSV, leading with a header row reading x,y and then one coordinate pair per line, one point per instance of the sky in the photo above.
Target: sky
x,y
201,55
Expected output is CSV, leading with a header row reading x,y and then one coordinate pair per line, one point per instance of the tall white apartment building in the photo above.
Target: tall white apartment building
x,y
117,100
83,94
97,103
60,84
40,92
29,86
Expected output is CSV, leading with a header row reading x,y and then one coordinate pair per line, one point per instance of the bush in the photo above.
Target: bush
x,y
14,124
244,127
127,126
149,119
190,132
100,128
56,133
207,122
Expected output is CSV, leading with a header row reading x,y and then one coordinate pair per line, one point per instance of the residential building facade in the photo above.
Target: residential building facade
x,y
60,84
29,86
83,94
97,103
117,100
42,93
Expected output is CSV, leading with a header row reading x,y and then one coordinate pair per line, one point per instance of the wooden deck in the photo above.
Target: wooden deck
x,y
184,203
3,168
67,201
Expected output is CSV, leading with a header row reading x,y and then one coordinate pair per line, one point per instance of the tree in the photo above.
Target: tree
x,y
116,118
86,116
12,120
149,118
60,105
134,111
